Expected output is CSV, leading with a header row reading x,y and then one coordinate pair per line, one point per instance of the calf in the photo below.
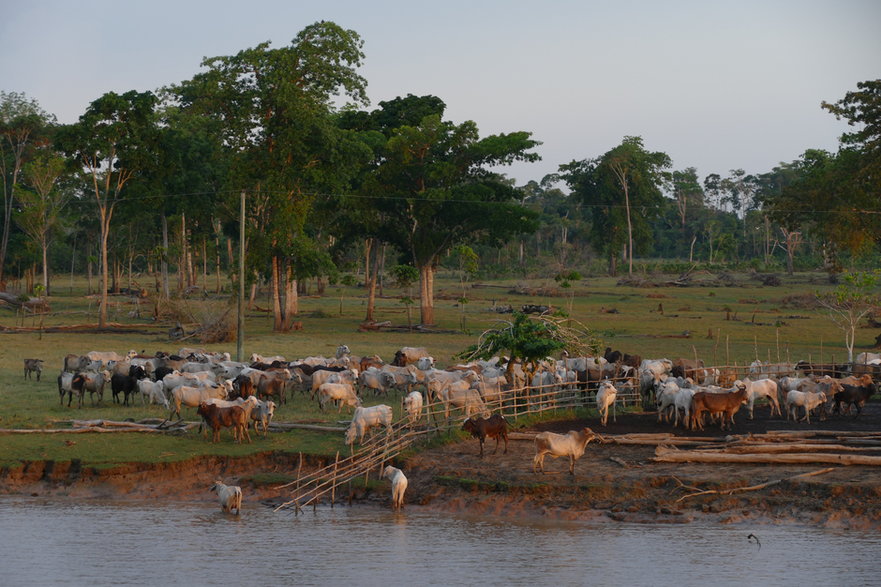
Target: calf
x,y
33,366
231,417
493,427
806,399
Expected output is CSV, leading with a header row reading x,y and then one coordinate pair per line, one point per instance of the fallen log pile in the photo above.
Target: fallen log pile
x,y
783,448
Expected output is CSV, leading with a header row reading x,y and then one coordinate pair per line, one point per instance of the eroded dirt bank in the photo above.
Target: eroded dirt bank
x,y
612,482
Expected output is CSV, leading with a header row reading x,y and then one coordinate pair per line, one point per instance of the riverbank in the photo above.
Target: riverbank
x,y
613,482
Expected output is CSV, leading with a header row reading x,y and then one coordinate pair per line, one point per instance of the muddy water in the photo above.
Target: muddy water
x,y
92,543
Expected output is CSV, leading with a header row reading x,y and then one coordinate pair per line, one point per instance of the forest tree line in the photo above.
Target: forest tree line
x,y
152,182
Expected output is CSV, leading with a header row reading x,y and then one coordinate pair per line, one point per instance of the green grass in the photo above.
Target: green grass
x,y
765,326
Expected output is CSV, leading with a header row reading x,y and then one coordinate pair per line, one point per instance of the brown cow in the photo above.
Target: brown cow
x,y
232,417
494,427
725,403
693,368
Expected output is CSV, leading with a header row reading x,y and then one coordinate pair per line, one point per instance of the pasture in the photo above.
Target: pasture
x,y
730,324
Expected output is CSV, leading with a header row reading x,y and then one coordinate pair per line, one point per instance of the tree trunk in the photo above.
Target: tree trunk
x,y
277,316
371,251
291,301
253,294
613,264
164,262
426,293
102,310
45,246
381,268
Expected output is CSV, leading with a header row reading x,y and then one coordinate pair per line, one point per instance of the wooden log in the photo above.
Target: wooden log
x,y
789,448
672,455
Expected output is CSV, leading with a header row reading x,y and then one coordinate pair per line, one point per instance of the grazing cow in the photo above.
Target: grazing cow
x,y
808,400
726,403
192,397
255,358
459,394
343,393
408,355
399,378
571,444
399,485
91,382
605,399
320,377
107,356
230,497
371,361
490,388
371,378
154,391
365,419
229,417
33,366
493,427
413,407
269,387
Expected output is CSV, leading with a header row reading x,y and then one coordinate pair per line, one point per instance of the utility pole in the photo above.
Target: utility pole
x,y
240,339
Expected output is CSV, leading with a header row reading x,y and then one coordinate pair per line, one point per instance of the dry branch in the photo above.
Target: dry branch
x,y
751,487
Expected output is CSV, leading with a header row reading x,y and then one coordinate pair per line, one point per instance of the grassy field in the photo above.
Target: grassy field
x,y
721,324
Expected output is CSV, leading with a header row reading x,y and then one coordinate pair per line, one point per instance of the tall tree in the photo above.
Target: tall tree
x,y
110,143
22,128
272,109
625,178
438,191
42,202
862,108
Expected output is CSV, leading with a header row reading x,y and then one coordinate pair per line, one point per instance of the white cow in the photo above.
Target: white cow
x,y
413,406
152,391
399,485
230,497
571,444
605,399
365,419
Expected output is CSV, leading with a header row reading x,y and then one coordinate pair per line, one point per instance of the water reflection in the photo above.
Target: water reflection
x,y
61,542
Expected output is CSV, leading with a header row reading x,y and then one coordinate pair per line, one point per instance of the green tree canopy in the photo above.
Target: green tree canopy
x,y
623,192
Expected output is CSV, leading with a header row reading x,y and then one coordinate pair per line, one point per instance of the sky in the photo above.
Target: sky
x,y
715,85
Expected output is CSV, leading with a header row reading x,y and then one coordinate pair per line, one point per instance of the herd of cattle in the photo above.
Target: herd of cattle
x,y
230,394
235,394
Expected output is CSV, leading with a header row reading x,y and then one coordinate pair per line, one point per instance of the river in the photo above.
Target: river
x,y
63,542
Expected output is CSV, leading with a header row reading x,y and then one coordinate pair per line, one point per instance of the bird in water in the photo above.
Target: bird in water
x,y
752,537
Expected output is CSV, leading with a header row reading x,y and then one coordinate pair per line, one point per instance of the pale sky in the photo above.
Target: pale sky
x,y
715,85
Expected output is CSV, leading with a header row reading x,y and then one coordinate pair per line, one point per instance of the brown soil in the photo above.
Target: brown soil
x,y
453,478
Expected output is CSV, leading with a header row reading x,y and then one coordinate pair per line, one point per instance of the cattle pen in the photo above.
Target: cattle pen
x,y
443,414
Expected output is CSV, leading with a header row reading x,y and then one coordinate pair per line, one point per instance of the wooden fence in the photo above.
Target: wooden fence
x,y
309,489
